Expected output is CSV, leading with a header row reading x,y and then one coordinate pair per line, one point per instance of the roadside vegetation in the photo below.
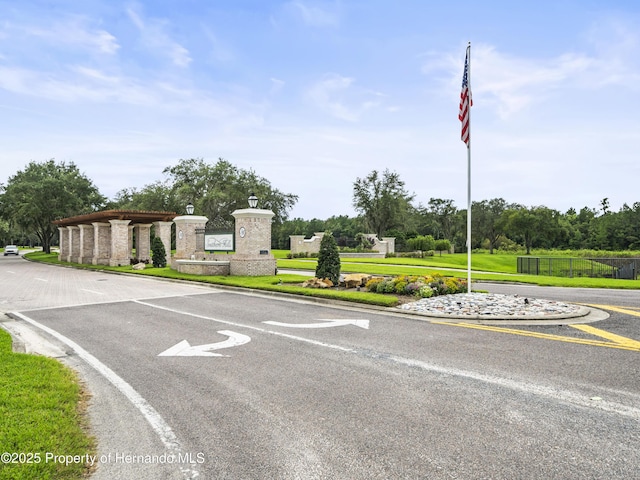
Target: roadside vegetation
x,y
41,414
485,267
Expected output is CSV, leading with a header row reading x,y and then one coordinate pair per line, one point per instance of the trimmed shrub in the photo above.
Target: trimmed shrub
x,y
372,285
401,287
418,286
426,292
158,253
328,259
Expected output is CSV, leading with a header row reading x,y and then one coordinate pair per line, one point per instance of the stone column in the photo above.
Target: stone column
x,y
253,243
130,240
143,241
163,230
64,244
74,243
86,244
120,246
101,243
295,243
186,226
391,244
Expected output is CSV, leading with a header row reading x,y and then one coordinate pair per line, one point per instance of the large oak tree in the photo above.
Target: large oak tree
x,y
382,200
215,190
43,192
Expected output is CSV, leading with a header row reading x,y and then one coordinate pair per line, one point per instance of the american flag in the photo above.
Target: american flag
x,y
465,101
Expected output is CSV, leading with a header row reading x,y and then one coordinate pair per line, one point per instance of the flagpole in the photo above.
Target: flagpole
x,y
469,176
466,101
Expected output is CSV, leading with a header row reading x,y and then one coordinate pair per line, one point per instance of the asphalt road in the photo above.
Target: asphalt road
x,y
298,390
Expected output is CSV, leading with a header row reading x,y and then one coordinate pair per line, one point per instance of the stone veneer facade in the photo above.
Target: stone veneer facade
x,y
109,241
253,243
299,244
106,238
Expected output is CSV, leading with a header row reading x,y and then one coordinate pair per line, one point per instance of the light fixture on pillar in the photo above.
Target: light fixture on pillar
x,y
253,200
190,208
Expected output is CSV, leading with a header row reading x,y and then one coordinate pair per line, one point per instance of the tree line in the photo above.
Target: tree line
x,y
43,192
386,208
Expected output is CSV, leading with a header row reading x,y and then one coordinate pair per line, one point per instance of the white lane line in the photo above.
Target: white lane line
x,y
549,392
91,291
41,279
156,421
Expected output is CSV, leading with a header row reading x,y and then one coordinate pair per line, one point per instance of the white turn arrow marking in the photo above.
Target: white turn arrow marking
x,y
325,324
183,349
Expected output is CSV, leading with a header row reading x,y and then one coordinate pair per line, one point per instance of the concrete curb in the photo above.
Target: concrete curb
x,y
583,316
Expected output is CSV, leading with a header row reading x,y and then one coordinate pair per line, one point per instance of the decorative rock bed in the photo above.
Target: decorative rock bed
x,y
493,306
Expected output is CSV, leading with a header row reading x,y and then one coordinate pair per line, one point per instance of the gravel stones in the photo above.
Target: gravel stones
x,y
492,306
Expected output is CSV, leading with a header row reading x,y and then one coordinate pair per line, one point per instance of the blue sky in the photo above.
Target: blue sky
x,y
314,94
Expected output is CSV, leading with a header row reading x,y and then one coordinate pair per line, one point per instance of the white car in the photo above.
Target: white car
x,y
11,250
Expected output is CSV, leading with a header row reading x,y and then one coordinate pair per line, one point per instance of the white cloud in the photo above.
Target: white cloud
x,y
219,52
325,92
276,85
341,98
314,14
73,31
155,38
509,85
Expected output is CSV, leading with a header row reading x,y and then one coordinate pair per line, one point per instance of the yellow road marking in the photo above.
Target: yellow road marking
x,y
622,343
617,309
609,336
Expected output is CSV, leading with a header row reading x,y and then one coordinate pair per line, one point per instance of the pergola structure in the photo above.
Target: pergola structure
x,y
106,238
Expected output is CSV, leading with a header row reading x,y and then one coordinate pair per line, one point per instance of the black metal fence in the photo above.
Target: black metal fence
x,y
626,268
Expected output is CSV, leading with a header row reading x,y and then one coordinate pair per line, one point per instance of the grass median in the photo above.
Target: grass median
x,y
43,430
485,267
283,283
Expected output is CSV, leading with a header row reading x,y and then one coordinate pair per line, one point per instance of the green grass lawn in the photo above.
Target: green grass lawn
x,y
503,263
284,283
485,267
40,414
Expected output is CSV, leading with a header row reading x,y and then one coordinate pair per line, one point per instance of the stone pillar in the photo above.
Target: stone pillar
x,y
186,226
63,252
101,243
296,243
86,244
74,243
253,243
120,244
143,241
391,244
130,239
253,231
163,230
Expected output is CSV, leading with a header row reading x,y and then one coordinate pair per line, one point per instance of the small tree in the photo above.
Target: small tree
x,y
159,254
443,245
328,259
422,242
